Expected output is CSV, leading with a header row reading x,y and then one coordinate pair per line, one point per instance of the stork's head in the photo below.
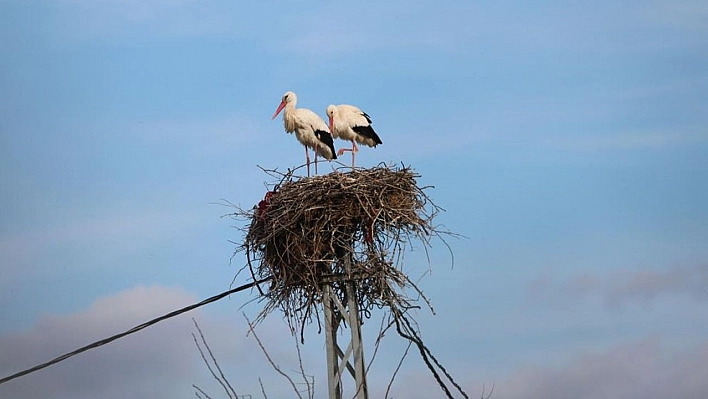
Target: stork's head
x,y
331,112
288,98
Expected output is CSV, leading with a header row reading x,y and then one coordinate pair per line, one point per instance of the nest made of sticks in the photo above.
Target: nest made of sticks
x,y
328,229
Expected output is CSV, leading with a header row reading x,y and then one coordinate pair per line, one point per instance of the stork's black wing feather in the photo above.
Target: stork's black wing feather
x,y
365,115
326,138
368,132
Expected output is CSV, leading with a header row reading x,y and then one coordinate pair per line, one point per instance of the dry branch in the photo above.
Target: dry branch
x,y
221,378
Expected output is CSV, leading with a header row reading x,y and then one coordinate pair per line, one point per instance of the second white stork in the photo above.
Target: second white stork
x,y
310,130
348,122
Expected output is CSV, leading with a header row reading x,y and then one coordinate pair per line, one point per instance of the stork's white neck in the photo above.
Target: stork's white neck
x,y
289,116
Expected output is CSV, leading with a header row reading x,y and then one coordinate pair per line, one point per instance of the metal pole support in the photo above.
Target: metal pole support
x,y
338,360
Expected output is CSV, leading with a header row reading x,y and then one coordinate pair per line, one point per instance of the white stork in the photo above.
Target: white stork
x,y
310,130
348,122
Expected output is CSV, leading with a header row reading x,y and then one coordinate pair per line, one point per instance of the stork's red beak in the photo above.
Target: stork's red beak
x,y
331,124
280,108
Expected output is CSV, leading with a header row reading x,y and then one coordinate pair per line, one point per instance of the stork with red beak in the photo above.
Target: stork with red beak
x,y
310,130
348,122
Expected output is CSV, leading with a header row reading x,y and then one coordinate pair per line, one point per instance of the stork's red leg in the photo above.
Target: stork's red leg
x,y
315,160
354,150
307,157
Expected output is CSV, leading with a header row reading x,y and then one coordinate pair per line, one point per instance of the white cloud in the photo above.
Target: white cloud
x,y
159,361
137,365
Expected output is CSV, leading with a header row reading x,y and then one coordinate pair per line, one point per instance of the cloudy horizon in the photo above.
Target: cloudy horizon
x,y
567,143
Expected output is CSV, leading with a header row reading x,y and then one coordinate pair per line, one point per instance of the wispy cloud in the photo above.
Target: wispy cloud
x,y
91,19
499,31
202,137
26,253
339,30
680,14
643,369
628,140
624,286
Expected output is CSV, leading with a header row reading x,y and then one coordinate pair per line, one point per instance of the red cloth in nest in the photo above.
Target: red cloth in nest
x,y
263,205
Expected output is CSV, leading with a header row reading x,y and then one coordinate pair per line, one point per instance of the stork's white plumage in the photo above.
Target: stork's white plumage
x,y
310,130
348,122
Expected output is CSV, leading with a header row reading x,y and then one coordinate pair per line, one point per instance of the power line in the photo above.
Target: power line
x,y
131,331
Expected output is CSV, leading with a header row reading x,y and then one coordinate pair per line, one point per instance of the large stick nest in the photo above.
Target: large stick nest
x,y
328,229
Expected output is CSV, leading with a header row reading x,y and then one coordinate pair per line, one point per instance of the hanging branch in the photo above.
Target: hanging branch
x,y
407,331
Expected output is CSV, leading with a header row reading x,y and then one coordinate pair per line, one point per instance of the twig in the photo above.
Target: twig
x,y
221,378
379,338
490,392
200,390
262,388
310,389
400,363
272,363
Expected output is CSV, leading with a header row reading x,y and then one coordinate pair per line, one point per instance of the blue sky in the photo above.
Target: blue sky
x,y
567,141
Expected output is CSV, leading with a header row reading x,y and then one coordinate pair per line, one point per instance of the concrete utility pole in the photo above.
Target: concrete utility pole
x,y
338,360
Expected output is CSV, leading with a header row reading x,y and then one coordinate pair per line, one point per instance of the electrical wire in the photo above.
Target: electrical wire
x,y
132,330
